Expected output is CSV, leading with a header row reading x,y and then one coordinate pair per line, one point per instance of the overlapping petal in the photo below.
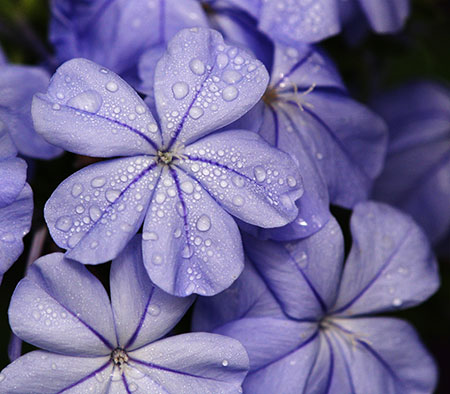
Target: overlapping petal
x,y
251,180
15,222
42,372
385,16
390,265
7,147
302,275
202,84
13,172
15,109
96,211
61,307
91,111
184,246
290,21
142,312
188,363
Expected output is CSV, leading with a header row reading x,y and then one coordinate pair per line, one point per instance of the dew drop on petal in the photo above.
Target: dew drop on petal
x,y
187,252
64,223
230,93
94,213
260,173
225,363
291,181
157,259
238,201
231,77
74,239
197,66
112,195
203,223
98,181
180,90
222,60
89,101
140,109
2,377
195,112
187,187
238,181
112,86
132,387
149,236
154,310
397,302
77,189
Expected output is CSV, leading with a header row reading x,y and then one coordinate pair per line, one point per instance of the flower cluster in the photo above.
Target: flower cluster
x,y
214,137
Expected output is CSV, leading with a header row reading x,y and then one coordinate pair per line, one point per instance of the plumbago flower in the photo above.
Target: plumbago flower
x,y
305,319
116,33
94,345
416,177
16,203
182,181
18,84
338,143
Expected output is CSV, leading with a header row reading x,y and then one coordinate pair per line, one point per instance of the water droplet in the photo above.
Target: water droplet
x,y
64,223
190,288
157,259
79,209
195,112
74,239
302,259
149,236
99,377
230,93
93,244
291,181
77,189
187,187
89,101
98,181
104,70
2,377
231,76
302,222
94,213
260,173
187,252
160,197
36,315
203,223
112,86
56,107
112,195
238,201
140,109
238,181
225,363
177,233
154,310
397,302
53,366
222,60
152,127
319,156
132,387
197,66
180,90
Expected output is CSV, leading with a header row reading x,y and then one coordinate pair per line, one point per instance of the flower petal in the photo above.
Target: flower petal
x,y
15,109
116,34
304,275
13,173
251,180
15,222
201,85
386,16
142,312
385,356
60,306
190,244
197,362
290,21
91,111
42,372
96,211
7,147
390,264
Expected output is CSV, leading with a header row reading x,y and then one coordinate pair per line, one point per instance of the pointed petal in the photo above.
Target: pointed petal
x,y
42,372
386,16
251,180
190,244
197,362
13,173
15,222
385,356
60,306
15,109
390,264
96,211
91,111
142,312
207,83
303,275
290,21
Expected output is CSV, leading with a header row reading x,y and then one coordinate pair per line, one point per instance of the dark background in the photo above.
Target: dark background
x,y
377,63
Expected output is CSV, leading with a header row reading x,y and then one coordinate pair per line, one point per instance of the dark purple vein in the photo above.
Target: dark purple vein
x,y
84,379
294,68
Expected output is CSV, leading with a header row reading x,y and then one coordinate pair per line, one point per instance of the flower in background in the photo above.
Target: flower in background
x,y
94,345
179,180
305,318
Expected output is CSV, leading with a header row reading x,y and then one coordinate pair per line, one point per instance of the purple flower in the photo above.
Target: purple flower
x,y
94,345
16,203
116,33
179,182
305,318
338,143
416,177
18,84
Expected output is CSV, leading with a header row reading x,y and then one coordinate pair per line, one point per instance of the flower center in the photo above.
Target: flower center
x,y
165,157
209,10
270,96
119,357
